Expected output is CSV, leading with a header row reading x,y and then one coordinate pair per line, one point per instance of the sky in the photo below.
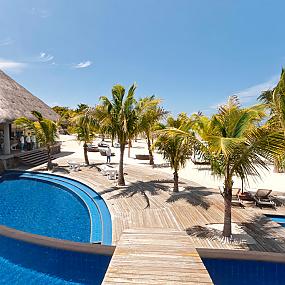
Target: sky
x,y
192,54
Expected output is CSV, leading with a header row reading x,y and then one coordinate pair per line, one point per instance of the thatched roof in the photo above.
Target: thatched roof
x,y
16,101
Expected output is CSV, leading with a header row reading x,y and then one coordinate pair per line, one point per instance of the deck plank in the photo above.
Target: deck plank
x,y
155,256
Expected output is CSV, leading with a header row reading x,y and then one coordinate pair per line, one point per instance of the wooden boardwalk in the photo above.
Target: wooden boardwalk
x,y
155,256
146,202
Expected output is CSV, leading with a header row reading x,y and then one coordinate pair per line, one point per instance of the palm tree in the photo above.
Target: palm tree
x,y
122,116
274,101
175,149
82,126
149,115
44,129
236,145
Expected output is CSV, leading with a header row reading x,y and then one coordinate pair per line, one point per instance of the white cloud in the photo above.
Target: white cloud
x,y
9,65
254,91
83,64
6,42
42,13
251,93
44,57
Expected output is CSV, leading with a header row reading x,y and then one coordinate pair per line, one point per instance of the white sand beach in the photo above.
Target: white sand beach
x,y
201,174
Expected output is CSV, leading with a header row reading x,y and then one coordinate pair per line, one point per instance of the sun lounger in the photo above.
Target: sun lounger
x,y
75,166
112,174
236,201
109,171
262,198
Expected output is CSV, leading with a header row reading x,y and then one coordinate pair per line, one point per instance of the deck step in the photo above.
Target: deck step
x,y
34,157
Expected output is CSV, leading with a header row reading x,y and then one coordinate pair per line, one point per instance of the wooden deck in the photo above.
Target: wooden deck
x,y
143,212
155,256
146,202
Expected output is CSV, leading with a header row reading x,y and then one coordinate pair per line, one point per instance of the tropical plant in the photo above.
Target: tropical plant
x,y
83,128
44,129
149,114
81,108
122,115
175,148
236,145
66,114
274,101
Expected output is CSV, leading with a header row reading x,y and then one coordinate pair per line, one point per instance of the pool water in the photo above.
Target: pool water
x,y
57,207
278,219
43,208
23,263
245,272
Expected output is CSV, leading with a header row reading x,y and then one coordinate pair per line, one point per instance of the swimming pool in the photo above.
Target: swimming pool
x,y
244,272
239,267
54,206
58,207
23,262
278,219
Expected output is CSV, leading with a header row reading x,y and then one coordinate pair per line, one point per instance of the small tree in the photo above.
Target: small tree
x,y
149,114
44,129
175,149
83,129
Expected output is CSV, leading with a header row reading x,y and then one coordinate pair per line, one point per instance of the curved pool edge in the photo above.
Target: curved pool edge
x,y
33,259
277,257
106,220
56,243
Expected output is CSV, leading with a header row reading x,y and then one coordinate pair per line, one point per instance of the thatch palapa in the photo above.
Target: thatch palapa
x,y
16,101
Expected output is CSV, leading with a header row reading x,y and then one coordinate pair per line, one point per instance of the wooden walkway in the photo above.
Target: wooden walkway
x,y
146,202
155,256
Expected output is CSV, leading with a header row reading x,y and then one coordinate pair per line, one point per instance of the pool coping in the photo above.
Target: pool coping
x,y
57,243
241,255
57,182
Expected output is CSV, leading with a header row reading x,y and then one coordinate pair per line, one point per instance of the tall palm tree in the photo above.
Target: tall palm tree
x,y
122,115
44,129
274,101
175,149
149,115
236,145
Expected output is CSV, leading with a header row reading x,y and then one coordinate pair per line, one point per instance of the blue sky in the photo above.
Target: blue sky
x,y
191,53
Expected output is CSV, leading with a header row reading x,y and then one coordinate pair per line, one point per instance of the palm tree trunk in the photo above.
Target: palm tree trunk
x,y
85,153
151,161
49,163
227,231
276,166
121,179
175,178
129,148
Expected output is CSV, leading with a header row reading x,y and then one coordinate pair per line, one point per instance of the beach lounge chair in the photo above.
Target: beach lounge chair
x,y
236,201
112,174
74,165
262,198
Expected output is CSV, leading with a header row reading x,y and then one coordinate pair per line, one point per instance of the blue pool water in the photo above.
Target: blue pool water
x,y
278,219
57,207
245,272
43,208
23,263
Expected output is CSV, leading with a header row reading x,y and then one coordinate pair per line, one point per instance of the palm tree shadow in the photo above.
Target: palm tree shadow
x,y
145,189
204,233
194,195
264,231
